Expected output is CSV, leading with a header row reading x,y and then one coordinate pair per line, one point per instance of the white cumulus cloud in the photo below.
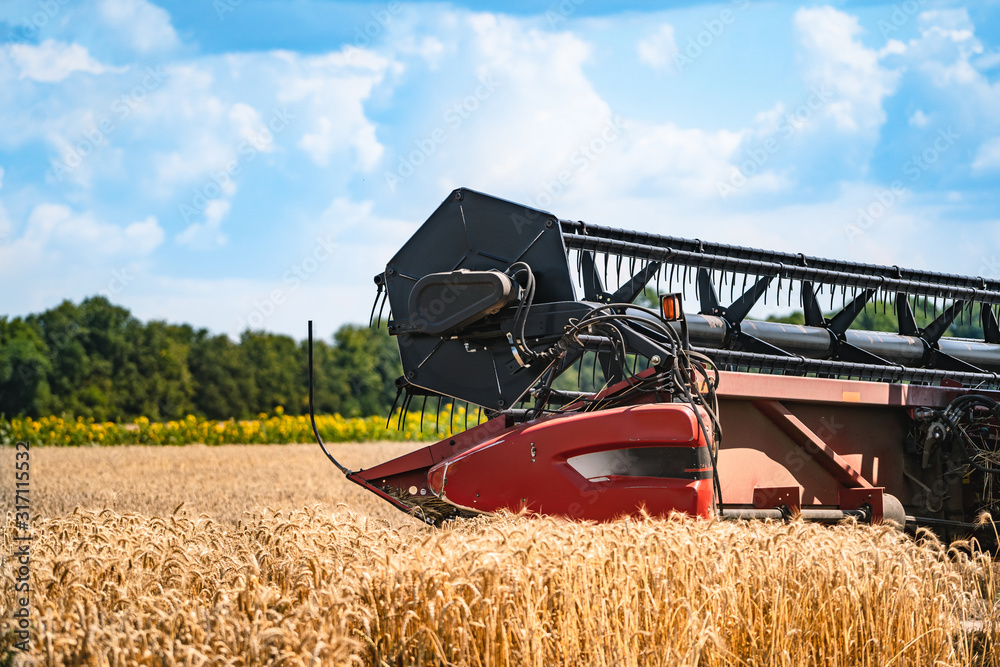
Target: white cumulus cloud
x,y
147,26
836,60
207,234
52,61
988,156
658,50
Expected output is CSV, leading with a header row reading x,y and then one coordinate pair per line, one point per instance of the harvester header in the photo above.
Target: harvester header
x,y
603,402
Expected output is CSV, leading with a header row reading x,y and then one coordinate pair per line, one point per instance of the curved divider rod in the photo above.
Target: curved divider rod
x,y
312,415
350,474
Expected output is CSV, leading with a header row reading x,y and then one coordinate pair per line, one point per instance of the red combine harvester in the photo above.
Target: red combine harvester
x,y
599,408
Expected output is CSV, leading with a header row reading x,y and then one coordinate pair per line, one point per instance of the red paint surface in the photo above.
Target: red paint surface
x,y
501,473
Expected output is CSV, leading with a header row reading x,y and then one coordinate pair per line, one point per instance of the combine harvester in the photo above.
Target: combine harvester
x,y
820,421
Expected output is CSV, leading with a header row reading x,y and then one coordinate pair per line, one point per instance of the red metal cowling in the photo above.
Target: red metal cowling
x,y
596,465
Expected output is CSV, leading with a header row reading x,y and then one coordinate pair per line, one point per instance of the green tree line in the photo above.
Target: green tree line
x,y
97,360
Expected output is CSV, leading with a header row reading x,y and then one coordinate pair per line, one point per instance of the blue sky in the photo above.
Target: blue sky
x,y
244,163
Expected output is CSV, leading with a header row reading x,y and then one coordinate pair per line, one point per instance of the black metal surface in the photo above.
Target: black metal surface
x,y
943,280
441,303
830,339
691,463
481,358
470,230
768,267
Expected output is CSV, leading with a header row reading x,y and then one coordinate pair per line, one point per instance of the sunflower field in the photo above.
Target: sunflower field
x,y
277,428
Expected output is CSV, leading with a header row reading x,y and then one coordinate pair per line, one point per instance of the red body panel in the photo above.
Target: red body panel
x,y
790,442
528,467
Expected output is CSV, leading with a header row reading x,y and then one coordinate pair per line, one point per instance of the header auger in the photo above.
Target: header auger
x,y
820,420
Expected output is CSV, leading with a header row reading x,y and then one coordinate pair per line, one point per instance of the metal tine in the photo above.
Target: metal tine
x,y
403,411
631,266
732,287
605,268
394,401
670,282
593,373
406,409
466,415
618,269
684,283
375,303
385,295
437,417
778,301
423,407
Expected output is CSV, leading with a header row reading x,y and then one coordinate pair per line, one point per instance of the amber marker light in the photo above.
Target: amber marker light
x,y
670,306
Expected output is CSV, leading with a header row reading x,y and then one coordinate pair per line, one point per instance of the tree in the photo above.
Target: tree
x,y
221,377
275,369
24,369
96,360
362,370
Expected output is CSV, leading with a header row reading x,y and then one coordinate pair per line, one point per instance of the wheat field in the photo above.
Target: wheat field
x,y
265,555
